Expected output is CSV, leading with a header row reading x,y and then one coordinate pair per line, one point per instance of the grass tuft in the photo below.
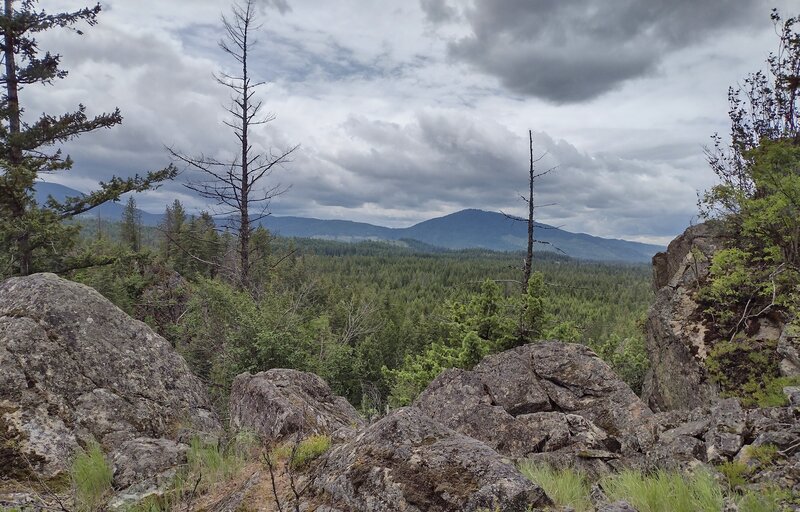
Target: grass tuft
x,y
665,491
309,449
213,462
566,487
91,478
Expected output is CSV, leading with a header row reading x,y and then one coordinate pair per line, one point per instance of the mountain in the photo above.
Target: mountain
x,y
469,229
110,210
465,229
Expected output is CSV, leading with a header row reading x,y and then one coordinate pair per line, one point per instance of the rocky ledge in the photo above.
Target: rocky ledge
x,y
75,369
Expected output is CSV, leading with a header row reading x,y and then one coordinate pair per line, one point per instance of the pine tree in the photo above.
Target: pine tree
x,y
132,226
172,227
32,235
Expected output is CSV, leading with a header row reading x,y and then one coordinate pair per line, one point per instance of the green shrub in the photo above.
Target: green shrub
x,y
735,473
91,478
665,491
566,487
307,450
770,394
764,454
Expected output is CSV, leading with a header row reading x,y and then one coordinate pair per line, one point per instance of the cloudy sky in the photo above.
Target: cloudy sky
x,y
409,109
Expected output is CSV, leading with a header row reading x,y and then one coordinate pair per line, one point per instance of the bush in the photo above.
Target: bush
x,y
735,472
566,487
91,478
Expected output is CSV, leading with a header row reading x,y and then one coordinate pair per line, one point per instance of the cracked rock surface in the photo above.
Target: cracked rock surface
x,y
548,400
410,462
676,335
278,403
76,368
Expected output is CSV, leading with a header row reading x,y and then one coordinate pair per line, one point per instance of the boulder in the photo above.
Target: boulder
x,y
143,458
279,403
73,368
676,334
410,462
542,398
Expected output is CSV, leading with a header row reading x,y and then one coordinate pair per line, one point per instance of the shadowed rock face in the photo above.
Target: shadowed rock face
x,y
74,367
547,397
676,334
409,462
278,403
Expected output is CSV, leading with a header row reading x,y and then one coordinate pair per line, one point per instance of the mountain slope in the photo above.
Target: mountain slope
x,y
478,228
110,210
465,229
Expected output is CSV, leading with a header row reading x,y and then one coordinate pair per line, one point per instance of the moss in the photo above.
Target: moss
x,y
749,370
16,464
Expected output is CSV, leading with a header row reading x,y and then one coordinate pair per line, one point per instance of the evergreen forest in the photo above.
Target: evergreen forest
x,y
378,321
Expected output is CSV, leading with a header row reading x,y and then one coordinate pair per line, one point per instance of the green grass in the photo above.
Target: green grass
x,y
208,466
307,450
566,487
765,454
91,478
665,491
662,491
213,462
771,393
735,473
766,501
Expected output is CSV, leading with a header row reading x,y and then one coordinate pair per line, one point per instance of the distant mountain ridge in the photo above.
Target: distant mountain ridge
x,y
465,229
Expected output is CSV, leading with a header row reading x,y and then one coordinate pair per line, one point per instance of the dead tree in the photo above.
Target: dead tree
x,y
240,188
527,268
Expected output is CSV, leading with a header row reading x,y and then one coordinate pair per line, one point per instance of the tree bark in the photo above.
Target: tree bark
x,y
24,250
244,231
529,253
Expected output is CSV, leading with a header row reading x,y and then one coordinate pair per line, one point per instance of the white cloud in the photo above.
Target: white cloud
x,y
392,130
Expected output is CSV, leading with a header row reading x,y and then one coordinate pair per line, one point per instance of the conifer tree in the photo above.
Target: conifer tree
x,y
172,227
32,235
132,226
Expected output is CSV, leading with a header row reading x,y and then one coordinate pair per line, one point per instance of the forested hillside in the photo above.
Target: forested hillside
x,y
376,320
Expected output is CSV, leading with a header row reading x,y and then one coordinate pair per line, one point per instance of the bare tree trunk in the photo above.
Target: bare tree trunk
x,y
238,187
529,253
244,230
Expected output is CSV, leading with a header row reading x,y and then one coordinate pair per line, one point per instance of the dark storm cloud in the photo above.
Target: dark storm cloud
x,y
575,51
437,11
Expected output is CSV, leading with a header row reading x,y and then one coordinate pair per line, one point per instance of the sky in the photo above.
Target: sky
x,y
405,110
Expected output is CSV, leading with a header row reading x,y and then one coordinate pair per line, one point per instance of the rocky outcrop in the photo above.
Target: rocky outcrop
x,y
76,368
713,435
143,458
789,350
545,398
278,403
409,462
676,333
